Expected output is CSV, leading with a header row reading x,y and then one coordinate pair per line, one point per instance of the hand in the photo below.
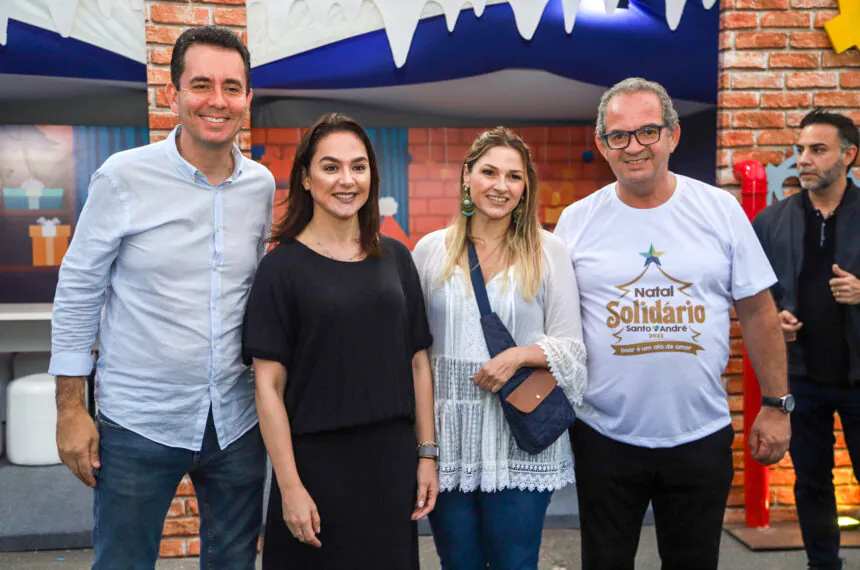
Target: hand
x,y
78,444
498,370
770,436
789,325
428,488
845,287
301,515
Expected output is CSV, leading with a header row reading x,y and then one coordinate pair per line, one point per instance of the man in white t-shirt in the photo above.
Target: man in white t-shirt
x,y
660,260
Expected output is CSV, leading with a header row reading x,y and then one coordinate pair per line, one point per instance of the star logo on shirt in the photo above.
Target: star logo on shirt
x,y
652,256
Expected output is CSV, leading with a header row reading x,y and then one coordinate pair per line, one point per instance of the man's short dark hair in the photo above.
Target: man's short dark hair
x,y
209,36
848,134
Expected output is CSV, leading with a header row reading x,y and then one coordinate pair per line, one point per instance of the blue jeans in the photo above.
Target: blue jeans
x,y
137,482
811,449
501,529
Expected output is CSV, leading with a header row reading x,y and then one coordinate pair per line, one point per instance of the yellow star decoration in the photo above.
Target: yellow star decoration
x,y
844,29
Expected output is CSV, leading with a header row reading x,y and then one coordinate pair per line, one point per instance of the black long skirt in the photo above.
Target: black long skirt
x,y
363,481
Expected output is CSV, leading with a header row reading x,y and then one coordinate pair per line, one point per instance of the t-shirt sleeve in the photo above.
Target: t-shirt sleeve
x,y
751,270
562,339
268,332
419,327
564,228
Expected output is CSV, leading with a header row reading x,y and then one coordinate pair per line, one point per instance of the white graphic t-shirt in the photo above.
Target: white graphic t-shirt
x,y
656,286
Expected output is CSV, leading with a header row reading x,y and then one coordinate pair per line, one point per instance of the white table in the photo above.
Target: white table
x,y
25,327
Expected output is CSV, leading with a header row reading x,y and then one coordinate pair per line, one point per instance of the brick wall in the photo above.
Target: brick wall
x,y
280,148
165,20
777,64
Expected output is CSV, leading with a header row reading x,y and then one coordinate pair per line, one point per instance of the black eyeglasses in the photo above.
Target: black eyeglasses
x,y
647,135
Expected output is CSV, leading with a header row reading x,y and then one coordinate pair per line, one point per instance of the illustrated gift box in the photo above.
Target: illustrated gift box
x,y
50,241
32,196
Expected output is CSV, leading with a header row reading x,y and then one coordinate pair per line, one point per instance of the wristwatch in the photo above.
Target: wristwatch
x,y
784,404
428,450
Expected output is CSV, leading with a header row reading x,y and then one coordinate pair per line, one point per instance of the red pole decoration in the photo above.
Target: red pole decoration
x,y
754,199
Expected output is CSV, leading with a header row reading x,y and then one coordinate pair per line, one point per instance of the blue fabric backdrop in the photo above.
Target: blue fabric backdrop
x,y
93,145
392,153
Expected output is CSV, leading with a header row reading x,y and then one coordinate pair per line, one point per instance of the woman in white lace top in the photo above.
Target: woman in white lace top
x,y
494,495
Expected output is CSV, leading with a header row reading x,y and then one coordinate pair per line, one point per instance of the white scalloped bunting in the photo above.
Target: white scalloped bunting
x,y
106,7
527,14
570,8
400,18
63,14
5,10
674,11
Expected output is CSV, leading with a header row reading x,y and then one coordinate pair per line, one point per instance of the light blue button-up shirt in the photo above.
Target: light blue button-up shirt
x,y
161,265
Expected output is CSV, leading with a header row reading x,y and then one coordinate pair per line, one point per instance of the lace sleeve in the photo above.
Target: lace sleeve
x,y
562,339
566,358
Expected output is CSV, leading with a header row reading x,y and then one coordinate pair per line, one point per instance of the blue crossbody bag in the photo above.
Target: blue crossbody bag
x,y
535,407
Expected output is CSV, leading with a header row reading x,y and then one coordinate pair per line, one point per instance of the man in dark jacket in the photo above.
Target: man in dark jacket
x,y
813,242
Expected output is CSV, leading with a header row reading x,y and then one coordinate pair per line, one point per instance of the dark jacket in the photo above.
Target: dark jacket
x,y
780,229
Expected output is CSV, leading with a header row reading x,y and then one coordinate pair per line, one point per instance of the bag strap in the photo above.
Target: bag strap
x,y
478,285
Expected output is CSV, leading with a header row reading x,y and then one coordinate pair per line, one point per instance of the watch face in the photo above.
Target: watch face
x,y
788,403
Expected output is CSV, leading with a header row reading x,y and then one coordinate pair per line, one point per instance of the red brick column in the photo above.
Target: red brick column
x,y
777,64
165,20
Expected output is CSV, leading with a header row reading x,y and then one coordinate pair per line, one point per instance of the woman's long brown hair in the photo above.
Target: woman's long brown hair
x,y
300,204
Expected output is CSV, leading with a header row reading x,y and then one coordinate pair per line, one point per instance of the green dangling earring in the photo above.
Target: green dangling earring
x,y
518,212
467,206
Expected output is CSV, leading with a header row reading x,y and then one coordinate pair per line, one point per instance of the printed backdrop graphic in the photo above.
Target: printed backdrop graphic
x,y
44,176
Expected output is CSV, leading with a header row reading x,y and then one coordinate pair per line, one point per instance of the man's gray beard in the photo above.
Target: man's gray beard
x,y
822,183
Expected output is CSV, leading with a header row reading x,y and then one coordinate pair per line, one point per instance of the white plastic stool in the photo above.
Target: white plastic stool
x,y
31,421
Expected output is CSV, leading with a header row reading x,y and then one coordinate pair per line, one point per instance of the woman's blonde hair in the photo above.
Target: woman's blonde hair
x,y
522,246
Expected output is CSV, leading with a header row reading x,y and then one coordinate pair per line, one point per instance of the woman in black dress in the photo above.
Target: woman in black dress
x,y
338,334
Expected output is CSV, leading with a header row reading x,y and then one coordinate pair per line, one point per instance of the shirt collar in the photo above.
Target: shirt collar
x,y
188,170
847,198
807,203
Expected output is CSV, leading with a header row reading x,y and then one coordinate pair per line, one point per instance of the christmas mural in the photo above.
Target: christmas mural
x,y
44,176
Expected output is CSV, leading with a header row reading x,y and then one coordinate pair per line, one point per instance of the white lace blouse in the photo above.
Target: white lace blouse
x,y
476,449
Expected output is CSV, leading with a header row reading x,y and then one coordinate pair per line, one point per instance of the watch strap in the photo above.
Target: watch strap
x,y
428,451
784,404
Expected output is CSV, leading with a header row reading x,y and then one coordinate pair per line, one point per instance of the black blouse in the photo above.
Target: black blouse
x,y
345,331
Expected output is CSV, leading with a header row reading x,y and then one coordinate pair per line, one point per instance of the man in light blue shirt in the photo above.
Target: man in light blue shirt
x,y
160,267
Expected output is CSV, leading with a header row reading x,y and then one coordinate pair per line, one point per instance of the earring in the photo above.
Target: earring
x,y
518,212
467,206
